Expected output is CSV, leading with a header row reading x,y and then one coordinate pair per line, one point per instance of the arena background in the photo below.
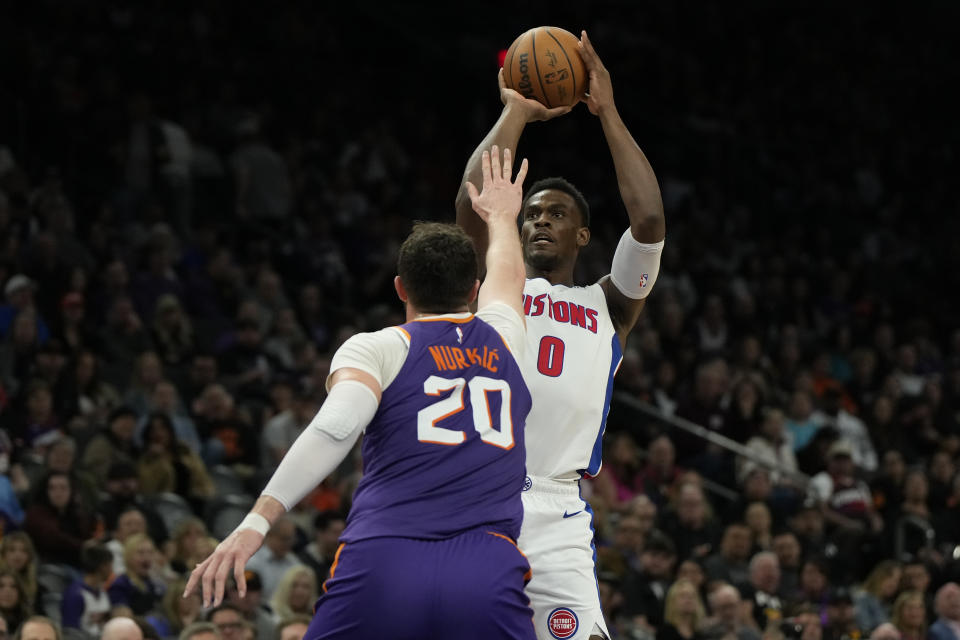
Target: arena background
x,y
807,155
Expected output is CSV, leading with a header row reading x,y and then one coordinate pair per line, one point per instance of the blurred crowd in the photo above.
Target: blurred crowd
x,y
195,212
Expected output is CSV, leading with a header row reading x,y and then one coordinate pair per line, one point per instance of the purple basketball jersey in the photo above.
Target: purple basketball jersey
x,y
444,453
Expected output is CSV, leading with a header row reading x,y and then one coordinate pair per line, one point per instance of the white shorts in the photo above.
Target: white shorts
x,y
557,538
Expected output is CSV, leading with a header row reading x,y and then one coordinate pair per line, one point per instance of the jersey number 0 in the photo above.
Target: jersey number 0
x,y
478,388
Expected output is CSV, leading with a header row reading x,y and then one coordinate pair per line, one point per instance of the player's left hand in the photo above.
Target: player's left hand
x,y
213,573
600,91
499,196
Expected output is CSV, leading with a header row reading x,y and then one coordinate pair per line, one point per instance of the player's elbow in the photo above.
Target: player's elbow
x,y
648,226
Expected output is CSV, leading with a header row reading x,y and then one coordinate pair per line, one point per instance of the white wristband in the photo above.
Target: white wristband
x,y
256,522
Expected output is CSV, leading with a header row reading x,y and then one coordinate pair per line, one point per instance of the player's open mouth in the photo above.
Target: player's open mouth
x,y
541,239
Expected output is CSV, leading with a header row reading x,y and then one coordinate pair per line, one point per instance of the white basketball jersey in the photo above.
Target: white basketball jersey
x,y
573,354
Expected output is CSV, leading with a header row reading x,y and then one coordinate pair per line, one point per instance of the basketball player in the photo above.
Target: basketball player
x,y
428,551
575,337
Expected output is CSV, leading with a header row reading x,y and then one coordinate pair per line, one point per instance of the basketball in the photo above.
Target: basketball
x,y
544,63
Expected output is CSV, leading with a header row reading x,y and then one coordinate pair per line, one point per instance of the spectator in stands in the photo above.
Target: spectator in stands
x,y
909,616
617,482
39,426
83,391
772,443
745,414
167,465
947,624
841,616
123,337
176,611
19,292
130,522
61,457
887,486
683,614
254,610
122,628
658,475
814,581
85,603
113,445
123,492
726,619
18,555
38,628
644,590
230,437
760,522
876,595
295,593
137,588
172,331
276,556
229,621
200,631
166,400
14,604
319,553
763,590
293,628
147,373
787,547
263,188
57,522
917,577
690,522
184,542
847,504
851,429
731,562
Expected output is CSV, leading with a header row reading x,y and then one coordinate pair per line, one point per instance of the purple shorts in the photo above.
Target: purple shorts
x,y
465,587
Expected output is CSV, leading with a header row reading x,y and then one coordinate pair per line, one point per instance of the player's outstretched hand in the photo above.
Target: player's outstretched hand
x,y
533,109
499,197
230,555
600,91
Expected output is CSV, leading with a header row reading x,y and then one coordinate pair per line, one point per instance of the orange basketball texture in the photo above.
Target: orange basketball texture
x,y
544,63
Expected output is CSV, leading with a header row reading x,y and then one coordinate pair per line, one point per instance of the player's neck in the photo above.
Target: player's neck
x,y
414,314
560,275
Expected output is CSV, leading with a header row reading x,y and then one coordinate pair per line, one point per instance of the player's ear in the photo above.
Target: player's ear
x,y
583,236
401,291
473,292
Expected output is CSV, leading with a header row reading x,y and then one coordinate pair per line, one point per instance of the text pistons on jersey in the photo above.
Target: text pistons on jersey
x,y
561,311
453,358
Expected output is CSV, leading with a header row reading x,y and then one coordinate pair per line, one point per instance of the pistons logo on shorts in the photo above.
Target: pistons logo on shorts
x,y
562,623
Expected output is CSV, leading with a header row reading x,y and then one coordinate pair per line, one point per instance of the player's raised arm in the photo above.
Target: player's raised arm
x,y
349,407
637,259
497,203
517,112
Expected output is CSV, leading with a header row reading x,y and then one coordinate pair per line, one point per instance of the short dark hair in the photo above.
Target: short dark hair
x,y
120,412
93,557
561,184
438,267
225,606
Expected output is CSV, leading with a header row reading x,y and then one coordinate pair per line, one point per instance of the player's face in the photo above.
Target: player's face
x,y
551,230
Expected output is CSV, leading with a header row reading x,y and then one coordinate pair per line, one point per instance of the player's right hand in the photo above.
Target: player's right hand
x,y
213,573
533,109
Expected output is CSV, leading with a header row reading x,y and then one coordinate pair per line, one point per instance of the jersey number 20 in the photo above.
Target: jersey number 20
x,y
478,388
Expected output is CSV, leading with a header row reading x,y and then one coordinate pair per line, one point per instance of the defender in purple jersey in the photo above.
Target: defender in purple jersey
x,y
429,549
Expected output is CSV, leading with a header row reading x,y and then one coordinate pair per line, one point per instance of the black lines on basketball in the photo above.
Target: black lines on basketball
x,y
573,73
536,64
